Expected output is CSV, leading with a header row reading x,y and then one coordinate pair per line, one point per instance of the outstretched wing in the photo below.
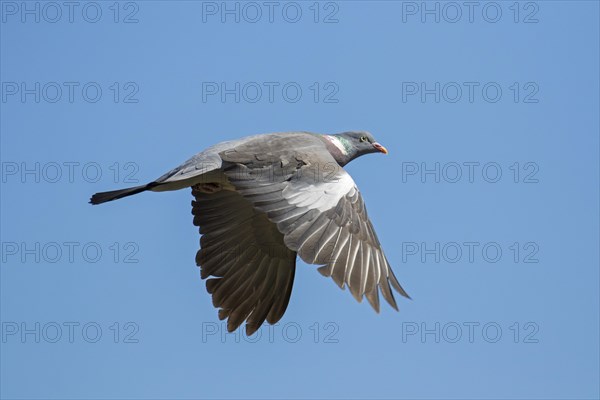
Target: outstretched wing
x,y
321,214
252,269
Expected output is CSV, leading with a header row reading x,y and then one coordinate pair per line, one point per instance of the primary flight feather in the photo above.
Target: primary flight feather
x,y
262,200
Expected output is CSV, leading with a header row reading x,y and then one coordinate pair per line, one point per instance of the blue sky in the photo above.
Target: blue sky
x,y
487,205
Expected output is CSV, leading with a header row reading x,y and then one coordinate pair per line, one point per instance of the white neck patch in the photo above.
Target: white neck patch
x,y
337,143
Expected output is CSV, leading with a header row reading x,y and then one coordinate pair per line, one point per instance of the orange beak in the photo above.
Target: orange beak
x,y
380,148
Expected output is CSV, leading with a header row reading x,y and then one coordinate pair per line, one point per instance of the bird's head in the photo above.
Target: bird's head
x,y
349,145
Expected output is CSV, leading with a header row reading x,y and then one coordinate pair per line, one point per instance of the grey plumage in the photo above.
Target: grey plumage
x,y
262,200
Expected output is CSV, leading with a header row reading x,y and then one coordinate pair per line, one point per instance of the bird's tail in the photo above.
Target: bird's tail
x,y
103,197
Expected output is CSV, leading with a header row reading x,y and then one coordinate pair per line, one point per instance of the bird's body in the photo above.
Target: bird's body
x,y
262,200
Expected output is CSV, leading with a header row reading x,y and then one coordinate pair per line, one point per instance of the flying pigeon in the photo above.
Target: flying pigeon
x,y
262,200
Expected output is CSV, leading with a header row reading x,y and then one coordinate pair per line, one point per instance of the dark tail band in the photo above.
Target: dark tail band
x,y
103,197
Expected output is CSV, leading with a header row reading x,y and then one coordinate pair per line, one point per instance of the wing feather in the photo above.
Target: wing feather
x,y
321,216
250,268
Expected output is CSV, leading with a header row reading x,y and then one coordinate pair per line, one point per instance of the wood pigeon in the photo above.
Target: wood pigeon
x,y
260,201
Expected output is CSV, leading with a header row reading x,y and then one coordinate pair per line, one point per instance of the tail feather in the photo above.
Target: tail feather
x,y
103,197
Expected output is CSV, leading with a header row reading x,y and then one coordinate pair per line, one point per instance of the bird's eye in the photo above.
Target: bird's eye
x,y
363,138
